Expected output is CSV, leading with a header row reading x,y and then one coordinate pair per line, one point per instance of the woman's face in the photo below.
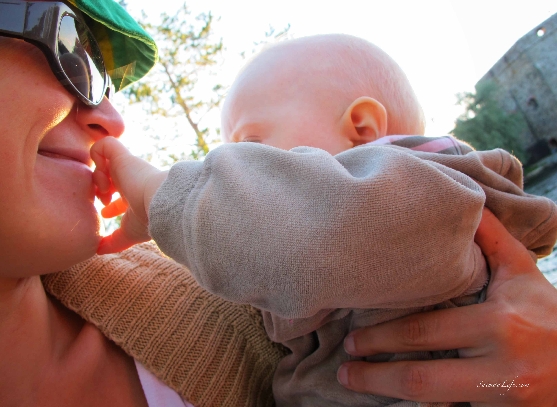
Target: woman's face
x,y
47,218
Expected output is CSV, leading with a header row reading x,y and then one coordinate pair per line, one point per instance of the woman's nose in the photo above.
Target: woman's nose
x,y
100,121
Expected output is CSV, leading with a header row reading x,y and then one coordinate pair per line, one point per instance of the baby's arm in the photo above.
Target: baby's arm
x,y
136,180
296,232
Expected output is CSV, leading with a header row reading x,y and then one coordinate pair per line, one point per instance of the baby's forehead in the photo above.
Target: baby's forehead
x,y
286,72
333,63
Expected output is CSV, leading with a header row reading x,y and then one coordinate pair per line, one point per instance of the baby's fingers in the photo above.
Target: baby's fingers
x,y
106,149
105,189
114,243
131,231
115,208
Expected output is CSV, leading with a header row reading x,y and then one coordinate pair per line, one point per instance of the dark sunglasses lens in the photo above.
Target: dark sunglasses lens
x,y
81,59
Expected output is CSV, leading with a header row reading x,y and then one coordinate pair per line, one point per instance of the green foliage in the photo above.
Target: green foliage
x,y
177,86
485,125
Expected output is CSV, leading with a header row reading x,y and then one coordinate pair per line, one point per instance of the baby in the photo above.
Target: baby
x,y
325,238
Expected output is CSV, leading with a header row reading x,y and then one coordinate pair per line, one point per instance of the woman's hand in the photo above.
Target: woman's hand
x,y
507,345
117,170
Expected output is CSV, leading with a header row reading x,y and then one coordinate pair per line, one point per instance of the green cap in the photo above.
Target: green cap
x,y
128,51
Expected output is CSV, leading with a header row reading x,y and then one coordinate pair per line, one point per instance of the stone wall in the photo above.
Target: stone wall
x,y
527,80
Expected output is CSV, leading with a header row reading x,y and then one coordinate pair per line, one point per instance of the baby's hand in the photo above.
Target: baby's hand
x,y
117,170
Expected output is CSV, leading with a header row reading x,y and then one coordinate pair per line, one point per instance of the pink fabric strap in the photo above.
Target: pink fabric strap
x,y
156,392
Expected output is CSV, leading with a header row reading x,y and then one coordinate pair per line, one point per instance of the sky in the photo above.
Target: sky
x,y
444,46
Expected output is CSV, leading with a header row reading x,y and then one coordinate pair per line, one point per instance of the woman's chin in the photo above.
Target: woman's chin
x,y
90,238
79,242
80,253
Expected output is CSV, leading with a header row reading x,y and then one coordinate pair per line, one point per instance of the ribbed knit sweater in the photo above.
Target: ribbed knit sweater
x,y
212,352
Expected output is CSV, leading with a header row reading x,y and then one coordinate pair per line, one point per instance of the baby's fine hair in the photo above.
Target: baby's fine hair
x,y
358,68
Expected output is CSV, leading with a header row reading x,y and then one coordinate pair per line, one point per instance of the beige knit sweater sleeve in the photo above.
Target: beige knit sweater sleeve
x,y
296,232
212,352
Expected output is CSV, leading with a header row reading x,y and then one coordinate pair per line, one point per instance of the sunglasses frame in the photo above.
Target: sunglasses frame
x,y
38,23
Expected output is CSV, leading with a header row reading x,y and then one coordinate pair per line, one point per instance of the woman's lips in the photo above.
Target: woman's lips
x,y
69,160
67,155
55,155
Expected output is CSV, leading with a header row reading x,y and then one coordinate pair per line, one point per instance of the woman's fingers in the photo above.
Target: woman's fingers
x,y
436,330
457,380
504,254
508,342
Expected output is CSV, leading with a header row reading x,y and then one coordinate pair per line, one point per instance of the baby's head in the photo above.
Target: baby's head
x,y
333,92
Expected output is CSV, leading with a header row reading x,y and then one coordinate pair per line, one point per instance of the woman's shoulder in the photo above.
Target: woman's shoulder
x,y
192,340
87,368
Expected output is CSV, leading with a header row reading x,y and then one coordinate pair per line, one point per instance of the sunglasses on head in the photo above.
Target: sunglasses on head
x,y
61,34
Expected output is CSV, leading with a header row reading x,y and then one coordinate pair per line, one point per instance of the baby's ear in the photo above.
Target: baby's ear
x,y
364,121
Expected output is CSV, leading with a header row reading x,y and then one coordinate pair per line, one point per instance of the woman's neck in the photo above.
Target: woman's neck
x,y
25,337
49,354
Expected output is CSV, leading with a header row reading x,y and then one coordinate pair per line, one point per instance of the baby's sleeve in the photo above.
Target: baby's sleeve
x,y
529,218
296,232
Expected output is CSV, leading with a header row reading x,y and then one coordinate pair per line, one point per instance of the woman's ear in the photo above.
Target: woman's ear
x,y
364,121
